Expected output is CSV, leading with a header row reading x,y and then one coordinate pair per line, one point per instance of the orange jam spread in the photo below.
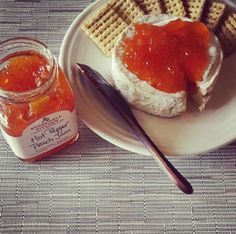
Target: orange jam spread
x,y
171,57
25,72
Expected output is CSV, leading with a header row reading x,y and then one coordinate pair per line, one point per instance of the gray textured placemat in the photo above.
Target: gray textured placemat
x,y
95,187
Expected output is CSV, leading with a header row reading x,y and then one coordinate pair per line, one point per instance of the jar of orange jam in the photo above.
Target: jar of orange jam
x,y
37,108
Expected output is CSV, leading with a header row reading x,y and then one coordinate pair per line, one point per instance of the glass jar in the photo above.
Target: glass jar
x,y
37,108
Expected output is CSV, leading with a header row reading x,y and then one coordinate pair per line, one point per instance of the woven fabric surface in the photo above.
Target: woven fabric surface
x,y
94,186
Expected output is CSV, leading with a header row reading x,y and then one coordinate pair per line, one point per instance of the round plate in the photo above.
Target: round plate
x,y
193,132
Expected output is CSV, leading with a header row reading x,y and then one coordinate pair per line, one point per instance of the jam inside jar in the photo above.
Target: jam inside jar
x,y
37,108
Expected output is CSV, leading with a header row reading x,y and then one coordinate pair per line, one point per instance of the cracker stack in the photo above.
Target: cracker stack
x,y
150,6
174,7
227,33
213,13
194,8
128,10
104,29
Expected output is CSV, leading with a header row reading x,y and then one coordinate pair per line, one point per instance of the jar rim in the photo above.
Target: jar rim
x,y
17,43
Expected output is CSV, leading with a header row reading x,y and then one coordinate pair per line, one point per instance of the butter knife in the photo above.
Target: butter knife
x,y
123,109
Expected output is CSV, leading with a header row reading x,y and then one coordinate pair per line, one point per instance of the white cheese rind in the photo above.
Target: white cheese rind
x,y
204,87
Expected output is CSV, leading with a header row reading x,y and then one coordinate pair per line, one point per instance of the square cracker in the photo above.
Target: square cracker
x,y
194,8
128,10
226,33
104,29
150,6
174,7
213,14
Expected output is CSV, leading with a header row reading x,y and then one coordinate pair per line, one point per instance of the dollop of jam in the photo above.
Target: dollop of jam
x,y
171,57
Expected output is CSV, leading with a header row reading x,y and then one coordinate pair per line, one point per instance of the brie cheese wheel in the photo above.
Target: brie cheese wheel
x,y
146,98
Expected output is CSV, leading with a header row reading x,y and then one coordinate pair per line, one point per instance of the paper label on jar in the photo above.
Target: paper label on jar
x,y
44,135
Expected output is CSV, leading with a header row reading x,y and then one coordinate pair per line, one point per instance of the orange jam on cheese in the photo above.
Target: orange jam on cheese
x,y
37,109
171,57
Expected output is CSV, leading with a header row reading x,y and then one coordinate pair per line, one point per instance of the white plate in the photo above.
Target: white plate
x,y
191,133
